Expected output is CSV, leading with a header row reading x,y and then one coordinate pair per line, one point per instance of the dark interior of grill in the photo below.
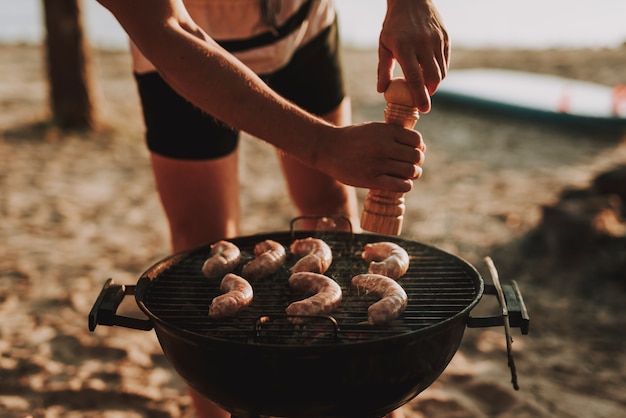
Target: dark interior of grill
x,y
438,284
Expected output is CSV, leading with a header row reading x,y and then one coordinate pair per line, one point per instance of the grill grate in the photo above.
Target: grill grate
x,y
438,284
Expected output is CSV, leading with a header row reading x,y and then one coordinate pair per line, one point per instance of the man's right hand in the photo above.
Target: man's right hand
x,y
372,155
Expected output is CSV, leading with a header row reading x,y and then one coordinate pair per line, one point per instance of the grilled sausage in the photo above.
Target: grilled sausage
x,y
237,295
393,298
224,258
386,258
316,255
326,298
269,256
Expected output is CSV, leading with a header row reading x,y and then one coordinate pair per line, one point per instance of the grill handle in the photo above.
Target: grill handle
x,y
322,223
514,313
104,310
514,305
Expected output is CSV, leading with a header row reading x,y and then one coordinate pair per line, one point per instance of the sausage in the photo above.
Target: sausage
x,y
326,298
386,258
269,256
225,256
316,255
237,295
393,298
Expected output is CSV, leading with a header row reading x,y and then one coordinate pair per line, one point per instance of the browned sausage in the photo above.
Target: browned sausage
x,y
224,258
386,258
269,256
237,295
393,298
316,255
326,298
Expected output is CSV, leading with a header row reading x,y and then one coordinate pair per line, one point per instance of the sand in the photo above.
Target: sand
x,y
79,208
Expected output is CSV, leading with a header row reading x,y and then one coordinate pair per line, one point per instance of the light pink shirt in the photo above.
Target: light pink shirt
x,y
241,19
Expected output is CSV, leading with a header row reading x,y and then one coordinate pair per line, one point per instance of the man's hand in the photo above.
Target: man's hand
x,y
372,155
413,34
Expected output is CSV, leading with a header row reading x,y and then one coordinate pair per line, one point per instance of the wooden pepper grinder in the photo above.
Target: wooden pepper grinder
x,y
383,211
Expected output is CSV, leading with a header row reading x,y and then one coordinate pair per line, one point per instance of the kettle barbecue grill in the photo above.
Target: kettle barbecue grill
x,y
258,363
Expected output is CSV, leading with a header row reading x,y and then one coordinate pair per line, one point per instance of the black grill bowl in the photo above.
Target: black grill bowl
x,y
359,371
366,379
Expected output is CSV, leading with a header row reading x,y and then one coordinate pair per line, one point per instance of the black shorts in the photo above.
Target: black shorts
x,y
177,129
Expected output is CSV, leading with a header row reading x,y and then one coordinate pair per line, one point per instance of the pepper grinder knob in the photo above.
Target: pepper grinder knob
x,y
383,211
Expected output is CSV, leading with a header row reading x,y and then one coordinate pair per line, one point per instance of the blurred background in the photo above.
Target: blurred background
x,y
546,201
536,24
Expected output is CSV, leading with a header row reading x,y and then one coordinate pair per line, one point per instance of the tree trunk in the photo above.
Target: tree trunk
x,y
69,67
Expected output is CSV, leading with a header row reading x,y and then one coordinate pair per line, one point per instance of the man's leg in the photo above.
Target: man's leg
x,y
201,202
317,194
200,198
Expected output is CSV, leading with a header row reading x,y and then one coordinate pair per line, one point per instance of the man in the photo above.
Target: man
x,y
270,68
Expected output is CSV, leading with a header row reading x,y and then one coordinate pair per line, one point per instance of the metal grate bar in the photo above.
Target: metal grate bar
x,y
439,286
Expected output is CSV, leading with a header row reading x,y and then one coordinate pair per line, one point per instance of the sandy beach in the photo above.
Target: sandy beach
x,y
79,208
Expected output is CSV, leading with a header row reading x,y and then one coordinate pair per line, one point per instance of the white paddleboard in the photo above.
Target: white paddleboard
x,y
538,94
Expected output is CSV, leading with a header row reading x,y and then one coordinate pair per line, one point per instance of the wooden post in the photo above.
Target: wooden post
x,y
383,211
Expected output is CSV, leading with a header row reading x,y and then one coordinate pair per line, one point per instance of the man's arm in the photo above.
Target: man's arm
x,y
413,34
371,155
